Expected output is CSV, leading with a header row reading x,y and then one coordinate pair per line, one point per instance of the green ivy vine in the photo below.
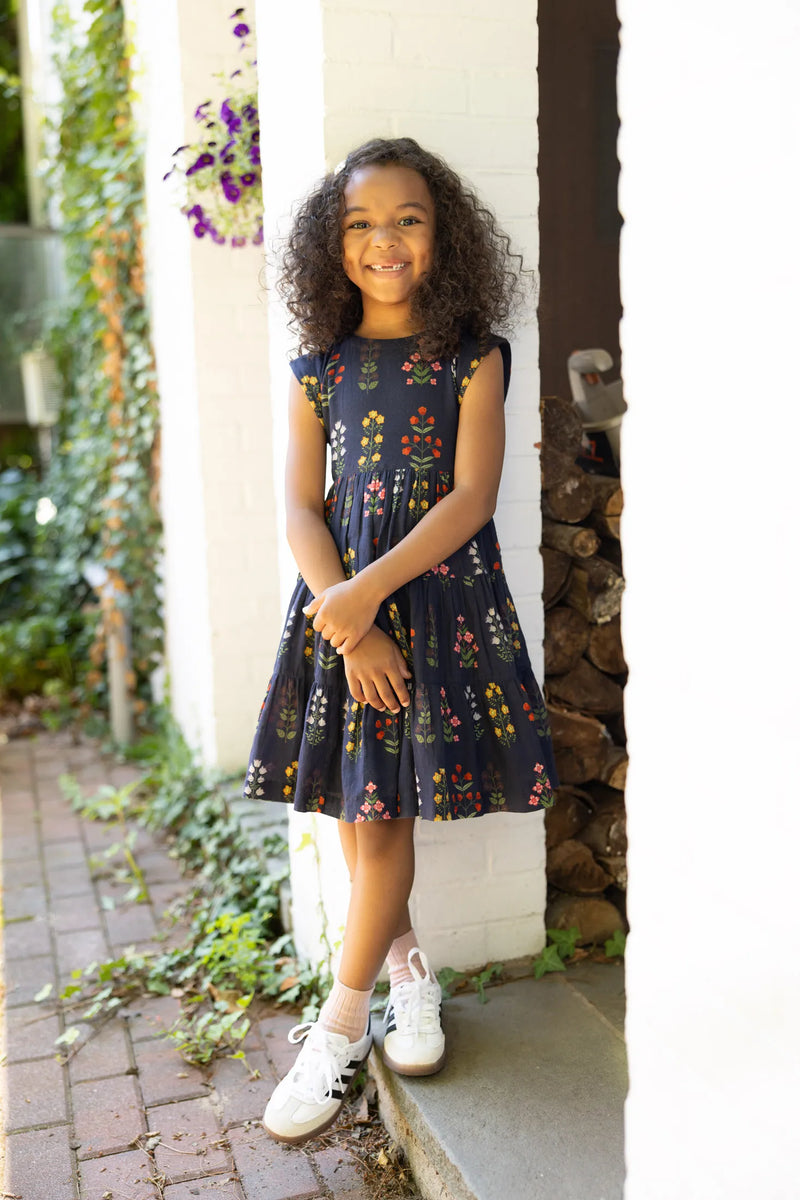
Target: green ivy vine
x,y
104,475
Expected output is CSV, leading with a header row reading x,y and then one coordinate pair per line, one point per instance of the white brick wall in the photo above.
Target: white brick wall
x,y
209,328
464,84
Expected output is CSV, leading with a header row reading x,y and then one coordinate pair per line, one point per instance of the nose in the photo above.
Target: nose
x,y
383,235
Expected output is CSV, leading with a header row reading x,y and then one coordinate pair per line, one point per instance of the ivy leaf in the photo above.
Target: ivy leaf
x,y
43,993
565,940
548,960
615,945
69,1036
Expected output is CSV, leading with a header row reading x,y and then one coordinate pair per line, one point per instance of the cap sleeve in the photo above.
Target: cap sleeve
x,y
308,370
472,353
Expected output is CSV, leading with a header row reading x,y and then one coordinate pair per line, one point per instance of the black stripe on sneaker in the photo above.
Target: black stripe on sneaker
x,y
389,1021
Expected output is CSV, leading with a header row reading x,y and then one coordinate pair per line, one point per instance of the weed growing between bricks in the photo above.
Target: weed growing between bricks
x,y
233,947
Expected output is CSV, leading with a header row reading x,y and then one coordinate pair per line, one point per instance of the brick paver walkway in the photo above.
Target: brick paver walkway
x,y
87,1130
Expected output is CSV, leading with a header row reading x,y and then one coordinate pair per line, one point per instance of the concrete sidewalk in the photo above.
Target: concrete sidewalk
x,y
87,1130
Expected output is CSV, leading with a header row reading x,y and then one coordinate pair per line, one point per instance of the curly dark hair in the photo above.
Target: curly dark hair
x,y
473,285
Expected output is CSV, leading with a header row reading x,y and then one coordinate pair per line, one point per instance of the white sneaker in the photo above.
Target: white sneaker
x,y
310,1097
414,1042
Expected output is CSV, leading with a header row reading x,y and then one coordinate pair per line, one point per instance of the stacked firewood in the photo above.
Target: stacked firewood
x,y
584,678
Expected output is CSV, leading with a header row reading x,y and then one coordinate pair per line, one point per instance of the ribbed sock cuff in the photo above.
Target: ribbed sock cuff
x,y
397,958
346,1011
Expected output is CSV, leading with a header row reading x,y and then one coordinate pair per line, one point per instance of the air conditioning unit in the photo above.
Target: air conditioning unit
x,y
41,384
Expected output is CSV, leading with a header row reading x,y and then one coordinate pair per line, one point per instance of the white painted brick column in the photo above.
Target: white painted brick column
x,y
210,332
463,82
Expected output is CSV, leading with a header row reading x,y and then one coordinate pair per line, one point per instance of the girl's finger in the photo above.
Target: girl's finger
x,y
371,695
312,606
356,690
398,683
387,694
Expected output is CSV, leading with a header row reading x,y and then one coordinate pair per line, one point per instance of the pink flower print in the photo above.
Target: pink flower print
x,y
374,496
370,787
421,371
465,645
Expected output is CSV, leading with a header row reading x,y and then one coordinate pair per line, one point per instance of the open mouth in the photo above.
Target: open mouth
x,y
387,268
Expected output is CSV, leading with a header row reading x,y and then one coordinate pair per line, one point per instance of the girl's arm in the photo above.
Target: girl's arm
x,y
309,538
376,670
345,611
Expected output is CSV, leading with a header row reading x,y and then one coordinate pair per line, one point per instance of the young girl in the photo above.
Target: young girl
x,y
402,686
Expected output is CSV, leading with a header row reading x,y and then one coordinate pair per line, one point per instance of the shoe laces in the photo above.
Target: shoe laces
x,y
416,1002
317,1073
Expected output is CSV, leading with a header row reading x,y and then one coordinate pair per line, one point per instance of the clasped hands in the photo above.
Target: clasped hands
x,y
344,614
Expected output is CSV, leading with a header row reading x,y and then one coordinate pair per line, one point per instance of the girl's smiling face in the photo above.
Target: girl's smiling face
x,y
387,244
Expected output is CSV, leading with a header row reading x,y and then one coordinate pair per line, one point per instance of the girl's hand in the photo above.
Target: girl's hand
x,y
376,672
343,614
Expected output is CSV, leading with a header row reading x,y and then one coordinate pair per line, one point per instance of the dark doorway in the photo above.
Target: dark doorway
x,y
579,306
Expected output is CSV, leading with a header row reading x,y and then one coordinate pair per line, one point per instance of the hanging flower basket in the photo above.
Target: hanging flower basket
x,y
218,177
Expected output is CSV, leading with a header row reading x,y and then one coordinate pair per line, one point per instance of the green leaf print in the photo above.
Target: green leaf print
x,y
369,367
493,788
431,638
423,731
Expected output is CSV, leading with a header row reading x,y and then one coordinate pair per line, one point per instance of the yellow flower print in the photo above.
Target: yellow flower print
x,y
372,439
503,728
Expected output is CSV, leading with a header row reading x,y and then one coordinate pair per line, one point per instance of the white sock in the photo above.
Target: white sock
x,y
397,958
346,1011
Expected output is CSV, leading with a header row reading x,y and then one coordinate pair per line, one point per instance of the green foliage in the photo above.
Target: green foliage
x,y
13,189
43,632
548,960
102,476
565,940
456,981
562,944
615,945
199,1034
234,947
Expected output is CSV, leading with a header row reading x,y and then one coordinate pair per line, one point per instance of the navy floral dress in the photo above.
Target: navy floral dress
x,y
475,738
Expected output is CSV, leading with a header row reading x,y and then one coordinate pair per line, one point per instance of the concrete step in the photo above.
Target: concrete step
x,y
530,1103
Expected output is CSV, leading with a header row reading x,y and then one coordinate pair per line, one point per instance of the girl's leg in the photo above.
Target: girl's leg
x,y
347,836
382,877
380,859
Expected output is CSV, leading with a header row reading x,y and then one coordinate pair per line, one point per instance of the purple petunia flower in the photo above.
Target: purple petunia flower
x,y
196,212
238,241
236,13
205,160
255,157
199,230
241,30
259,236
230,118
249,179
199,114
250,113
232,193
